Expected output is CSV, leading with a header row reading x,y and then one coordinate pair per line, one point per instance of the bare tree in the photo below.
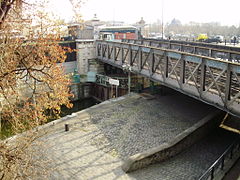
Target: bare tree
x,y
33,86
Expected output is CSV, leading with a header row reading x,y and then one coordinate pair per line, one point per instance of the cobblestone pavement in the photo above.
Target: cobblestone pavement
x,y
101,137
136,124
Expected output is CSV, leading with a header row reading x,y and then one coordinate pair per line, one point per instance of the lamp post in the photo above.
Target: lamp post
x,y
162,22
129,82
128,68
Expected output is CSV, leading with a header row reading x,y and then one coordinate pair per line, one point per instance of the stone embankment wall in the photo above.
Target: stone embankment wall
x,y
86,61
80,91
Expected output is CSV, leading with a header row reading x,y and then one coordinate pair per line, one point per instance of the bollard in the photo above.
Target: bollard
x,y
66,127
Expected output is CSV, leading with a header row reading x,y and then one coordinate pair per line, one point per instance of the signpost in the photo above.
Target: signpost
x,y
114,82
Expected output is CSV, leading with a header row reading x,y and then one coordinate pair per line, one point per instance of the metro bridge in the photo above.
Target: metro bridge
x,y
211,75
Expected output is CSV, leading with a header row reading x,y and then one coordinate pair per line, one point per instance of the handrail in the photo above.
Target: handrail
x,y
221,159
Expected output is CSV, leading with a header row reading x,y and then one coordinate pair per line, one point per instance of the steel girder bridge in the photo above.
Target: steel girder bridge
x,y
212,80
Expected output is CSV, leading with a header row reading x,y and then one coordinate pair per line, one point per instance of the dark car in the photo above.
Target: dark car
x,y
215,39
212,40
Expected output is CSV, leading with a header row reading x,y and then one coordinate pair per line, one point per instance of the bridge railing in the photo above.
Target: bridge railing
x,y
220,163
208,79
201,49
196,43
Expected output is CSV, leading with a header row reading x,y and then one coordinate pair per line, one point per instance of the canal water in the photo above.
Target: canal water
x,y
78,106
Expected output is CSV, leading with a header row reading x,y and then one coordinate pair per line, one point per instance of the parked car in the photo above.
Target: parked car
x,y
202,37
219,38
214,39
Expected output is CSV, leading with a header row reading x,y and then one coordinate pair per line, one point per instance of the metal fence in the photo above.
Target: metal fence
x,y
219,164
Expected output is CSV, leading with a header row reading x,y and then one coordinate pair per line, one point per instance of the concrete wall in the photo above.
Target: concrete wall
x,y
86,57
175,146
85,52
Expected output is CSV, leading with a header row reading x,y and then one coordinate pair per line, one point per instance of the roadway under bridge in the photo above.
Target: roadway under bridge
x,y
196,71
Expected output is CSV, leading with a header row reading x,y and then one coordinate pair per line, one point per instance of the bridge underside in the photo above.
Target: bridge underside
x,y
212,81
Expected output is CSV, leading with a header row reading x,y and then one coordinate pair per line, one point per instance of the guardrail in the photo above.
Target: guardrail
x,y
219,164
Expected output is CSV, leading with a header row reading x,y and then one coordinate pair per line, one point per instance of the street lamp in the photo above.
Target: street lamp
x,y
128,68
162,21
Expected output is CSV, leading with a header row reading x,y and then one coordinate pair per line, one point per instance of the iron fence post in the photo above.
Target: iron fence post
x,y
222,164
212,173
231,152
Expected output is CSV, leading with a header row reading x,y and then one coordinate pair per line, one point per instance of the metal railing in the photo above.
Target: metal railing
x,y
219,164
214,51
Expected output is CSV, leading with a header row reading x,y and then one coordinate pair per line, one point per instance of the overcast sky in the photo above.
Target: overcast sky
x,y
224,11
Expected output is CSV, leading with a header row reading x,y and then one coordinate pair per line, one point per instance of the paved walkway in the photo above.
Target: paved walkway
x,y
101,137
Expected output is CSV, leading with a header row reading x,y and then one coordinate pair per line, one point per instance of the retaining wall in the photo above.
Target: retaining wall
x,y
175,146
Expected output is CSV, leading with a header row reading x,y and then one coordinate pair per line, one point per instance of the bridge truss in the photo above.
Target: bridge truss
x,y
216,82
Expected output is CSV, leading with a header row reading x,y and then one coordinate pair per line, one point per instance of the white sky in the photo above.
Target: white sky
x,y
130,11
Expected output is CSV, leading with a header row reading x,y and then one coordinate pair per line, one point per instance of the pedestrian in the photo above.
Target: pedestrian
x,y
234,40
